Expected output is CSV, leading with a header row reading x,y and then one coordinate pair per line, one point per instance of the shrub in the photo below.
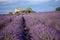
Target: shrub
x,y
53,24
46,21
2,26
58,9
10,12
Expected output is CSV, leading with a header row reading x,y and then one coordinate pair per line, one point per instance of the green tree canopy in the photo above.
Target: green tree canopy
x,y
58,9
28,9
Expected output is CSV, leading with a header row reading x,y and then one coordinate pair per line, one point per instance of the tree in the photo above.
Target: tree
x,y
58,9
10,12
28,9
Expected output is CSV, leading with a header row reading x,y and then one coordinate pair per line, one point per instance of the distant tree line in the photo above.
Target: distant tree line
x,y
26,10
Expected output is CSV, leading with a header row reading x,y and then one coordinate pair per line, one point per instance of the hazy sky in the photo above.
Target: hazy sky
x,y
37,5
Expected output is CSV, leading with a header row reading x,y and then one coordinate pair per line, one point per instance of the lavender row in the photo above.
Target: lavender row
x,y
13,31
5,20
43,32
48,18
39,30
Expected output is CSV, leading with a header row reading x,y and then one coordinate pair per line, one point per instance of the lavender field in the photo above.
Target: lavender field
x,y
30,26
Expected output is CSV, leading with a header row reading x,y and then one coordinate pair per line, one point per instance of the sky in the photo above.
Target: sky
x,y
37,5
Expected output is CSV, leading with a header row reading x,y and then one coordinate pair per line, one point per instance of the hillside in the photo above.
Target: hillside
x,y
30,26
